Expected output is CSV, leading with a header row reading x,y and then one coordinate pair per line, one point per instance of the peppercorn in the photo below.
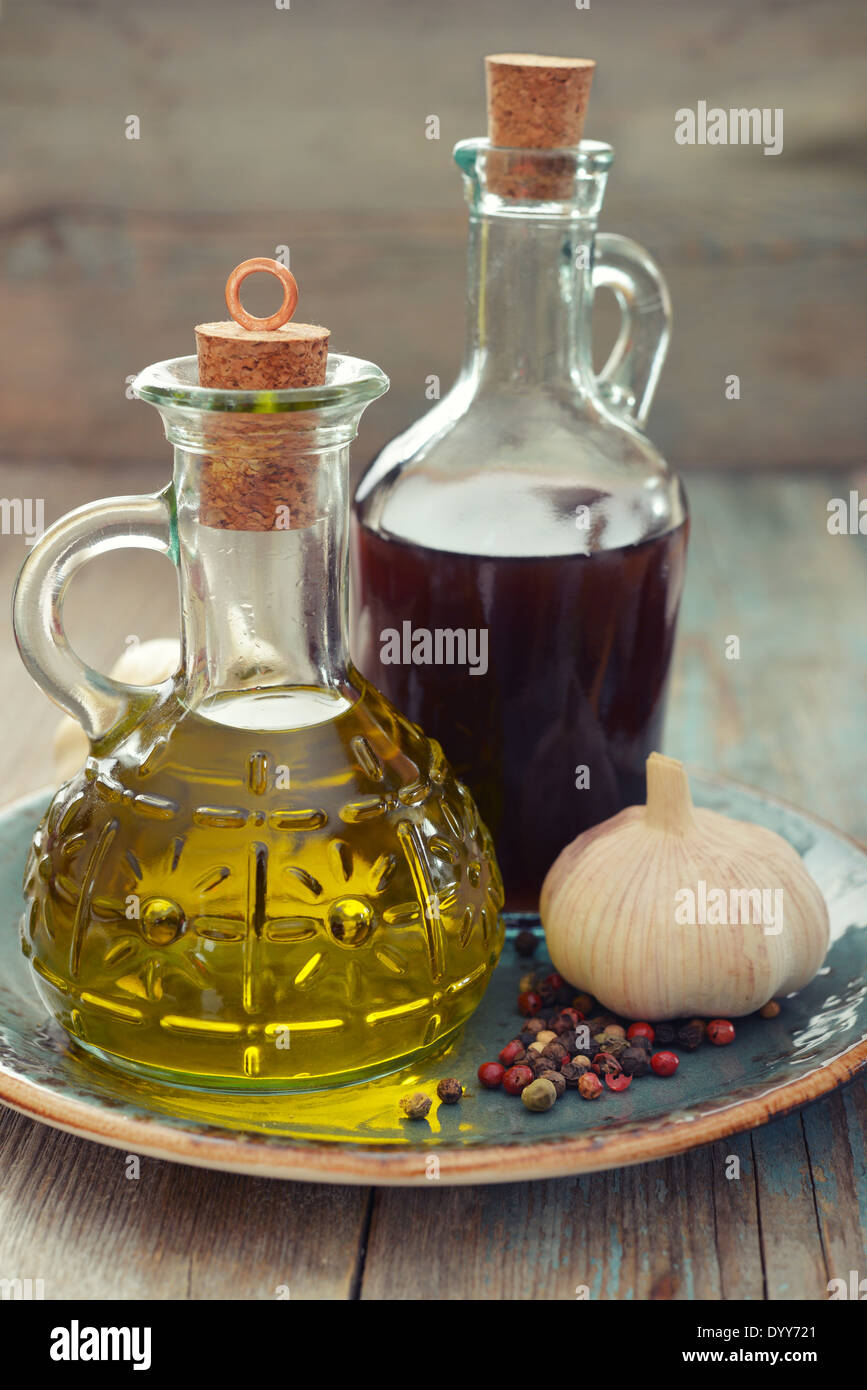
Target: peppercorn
x,y
568,1039
526,943
618,1083
770,1010
640,1030
640,1041
510,1052
615,1030
527,981
491,1074
635,1061
557,1079
539,1063
690,1036
614,1044
596,1024
604,1064
450,1090
664,1032
526,1038
516,1078
584,1003
556,1050
529,1003
572,1074
415,1107
720,1032
582,1062
539,1095
544,1038
590,1087
534,1025
664,1063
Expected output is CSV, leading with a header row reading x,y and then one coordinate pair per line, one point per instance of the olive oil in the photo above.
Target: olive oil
x,y
225,901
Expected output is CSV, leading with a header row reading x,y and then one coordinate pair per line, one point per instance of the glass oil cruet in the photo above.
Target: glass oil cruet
x,y
264,876
529,504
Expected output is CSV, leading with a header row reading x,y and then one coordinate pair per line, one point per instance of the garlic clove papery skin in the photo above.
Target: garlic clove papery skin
x,y
609,906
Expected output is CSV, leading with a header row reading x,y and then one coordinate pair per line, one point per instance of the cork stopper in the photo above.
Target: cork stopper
x,y
259,476
252,354
534,103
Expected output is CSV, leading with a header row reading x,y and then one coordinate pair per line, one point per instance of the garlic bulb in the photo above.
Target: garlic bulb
x,y
667,911
142,663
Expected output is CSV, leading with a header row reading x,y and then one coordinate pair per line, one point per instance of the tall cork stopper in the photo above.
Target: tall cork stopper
x,y
259,477
534,103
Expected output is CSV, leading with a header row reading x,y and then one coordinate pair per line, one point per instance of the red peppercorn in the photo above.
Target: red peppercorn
x,y
512,1050
491,1074
529,1003
720,1032
618,1083
516,1078
640,1030
553,981
664,1063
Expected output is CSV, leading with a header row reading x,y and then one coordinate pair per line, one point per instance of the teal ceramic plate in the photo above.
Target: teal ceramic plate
x,y
356,1136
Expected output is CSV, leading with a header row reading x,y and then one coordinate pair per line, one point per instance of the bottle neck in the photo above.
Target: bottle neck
x,y
530,302
265,611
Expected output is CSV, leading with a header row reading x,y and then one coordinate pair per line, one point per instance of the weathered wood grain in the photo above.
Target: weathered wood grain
x,y
71,1216
306,128
792,1255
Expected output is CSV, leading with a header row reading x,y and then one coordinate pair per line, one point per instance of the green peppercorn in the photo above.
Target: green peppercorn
x,y
539,1095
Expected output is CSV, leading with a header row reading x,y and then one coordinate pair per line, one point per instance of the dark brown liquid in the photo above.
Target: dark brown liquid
x,y
579,649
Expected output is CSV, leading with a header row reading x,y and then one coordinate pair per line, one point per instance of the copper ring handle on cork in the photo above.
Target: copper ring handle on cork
x,y
290,294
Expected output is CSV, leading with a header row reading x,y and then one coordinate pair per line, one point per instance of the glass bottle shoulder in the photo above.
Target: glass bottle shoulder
x,y
520,473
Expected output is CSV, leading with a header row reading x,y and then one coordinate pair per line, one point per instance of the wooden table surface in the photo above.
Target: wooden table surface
x,y
762,567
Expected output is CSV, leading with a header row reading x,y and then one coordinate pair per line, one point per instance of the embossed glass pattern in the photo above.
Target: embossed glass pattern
x,y
264,876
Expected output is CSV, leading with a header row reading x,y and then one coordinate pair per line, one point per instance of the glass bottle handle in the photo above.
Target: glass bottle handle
x,y
629,378
95,700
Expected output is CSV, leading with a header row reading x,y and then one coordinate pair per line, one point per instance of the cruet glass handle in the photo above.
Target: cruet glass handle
x,y
95,700
629,378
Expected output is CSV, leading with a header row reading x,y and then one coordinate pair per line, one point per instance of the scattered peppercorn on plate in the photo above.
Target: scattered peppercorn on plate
x,y
381,1132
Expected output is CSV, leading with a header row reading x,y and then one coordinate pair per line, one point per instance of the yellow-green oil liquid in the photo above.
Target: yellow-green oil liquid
x,y
222,903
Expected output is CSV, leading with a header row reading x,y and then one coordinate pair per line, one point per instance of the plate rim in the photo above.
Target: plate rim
x,y
348,1164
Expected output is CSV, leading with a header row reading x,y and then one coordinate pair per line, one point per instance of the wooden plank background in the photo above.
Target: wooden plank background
x,y
306,127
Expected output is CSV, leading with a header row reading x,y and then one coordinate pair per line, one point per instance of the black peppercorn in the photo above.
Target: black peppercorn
x,y
644,1043
635,1061
526,943
450,1091
555,1050
606,1065
572,1074
557,1079
690,1036
568,1040
664,1033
